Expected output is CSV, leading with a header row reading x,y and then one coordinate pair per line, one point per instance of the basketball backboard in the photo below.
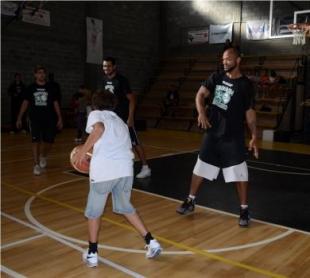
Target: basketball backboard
x,y
283,13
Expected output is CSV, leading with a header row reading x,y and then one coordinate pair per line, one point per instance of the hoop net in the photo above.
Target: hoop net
x,y
300,32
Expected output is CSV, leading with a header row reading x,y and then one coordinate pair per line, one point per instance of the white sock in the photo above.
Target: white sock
x,y
145,167
244,206
192,196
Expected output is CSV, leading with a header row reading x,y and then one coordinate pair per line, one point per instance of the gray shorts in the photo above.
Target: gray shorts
x,y
99,192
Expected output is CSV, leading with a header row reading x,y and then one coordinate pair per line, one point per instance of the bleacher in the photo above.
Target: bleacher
x,y
188,72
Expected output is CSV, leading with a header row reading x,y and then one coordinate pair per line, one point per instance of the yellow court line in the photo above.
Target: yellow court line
x,y
162,239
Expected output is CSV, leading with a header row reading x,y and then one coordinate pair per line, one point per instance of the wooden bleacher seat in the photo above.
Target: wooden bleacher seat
x,y
188,72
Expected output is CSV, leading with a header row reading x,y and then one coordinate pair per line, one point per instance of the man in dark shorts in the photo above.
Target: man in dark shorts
x,y
125,108
43,105
232,102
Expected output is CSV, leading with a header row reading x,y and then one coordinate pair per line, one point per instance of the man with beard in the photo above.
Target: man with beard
x,y
118,85
232,101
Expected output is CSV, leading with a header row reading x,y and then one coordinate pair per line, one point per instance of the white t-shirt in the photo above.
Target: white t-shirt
x,y
112,154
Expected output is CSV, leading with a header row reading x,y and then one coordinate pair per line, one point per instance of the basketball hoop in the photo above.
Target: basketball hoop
x,y
300,32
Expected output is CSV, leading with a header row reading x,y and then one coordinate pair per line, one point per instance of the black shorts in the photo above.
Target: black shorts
x,y
43,131
222,152
133,136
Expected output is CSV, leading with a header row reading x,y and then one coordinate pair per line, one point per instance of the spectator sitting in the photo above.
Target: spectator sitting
x,y
171,100
276,79
264,78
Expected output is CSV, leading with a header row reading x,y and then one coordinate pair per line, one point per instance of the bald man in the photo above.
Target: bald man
x,y
223,147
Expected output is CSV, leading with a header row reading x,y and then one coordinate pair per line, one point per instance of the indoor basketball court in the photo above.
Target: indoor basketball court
x,y
160,47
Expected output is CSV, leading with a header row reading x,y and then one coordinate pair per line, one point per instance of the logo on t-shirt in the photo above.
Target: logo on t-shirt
x,y
222,96
110,88
40,97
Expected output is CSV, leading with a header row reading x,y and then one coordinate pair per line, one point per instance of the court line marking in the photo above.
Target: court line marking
x,y
11,272
247,160
31,158
223,212
176,244
27,210
210,209
27,146
277,164
279,172
73,246
19,242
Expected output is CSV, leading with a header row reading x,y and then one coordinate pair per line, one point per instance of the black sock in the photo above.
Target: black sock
x,y
148,237
93,247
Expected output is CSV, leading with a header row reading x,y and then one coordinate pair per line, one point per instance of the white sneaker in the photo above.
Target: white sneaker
x,y
144,173
37,170
43,162
153,249
90,259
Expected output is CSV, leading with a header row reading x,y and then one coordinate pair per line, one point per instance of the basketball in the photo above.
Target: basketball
x,y
83,167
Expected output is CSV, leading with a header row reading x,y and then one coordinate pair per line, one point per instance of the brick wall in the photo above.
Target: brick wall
x,y
130,33
58,47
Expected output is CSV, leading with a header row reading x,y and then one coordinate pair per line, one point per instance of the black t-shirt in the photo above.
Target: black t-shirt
x,y
230,99
119,85
41,102
16,91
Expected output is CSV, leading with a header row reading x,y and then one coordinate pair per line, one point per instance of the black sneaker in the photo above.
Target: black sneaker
x,y
244,219
187,206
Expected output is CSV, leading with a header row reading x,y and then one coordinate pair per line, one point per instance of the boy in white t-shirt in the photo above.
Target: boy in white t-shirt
x,y
111,171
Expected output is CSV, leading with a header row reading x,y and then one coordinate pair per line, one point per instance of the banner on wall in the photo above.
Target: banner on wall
x,y
8,8
36,16
220,33
94,40
256,30
197,36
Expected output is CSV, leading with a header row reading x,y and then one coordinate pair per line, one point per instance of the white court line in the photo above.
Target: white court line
x,y
18,242
279,172
76,247
162,148
11,272
223,212
27,146
172,154
252,161
211,209
277,164
31,158
27,210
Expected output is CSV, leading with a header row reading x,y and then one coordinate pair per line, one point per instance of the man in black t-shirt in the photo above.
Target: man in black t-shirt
x,y
42,103
118,85
232,102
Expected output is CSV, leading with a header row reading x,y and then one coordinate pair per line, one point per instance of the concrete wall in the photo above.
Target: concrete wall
x,y
58,47
182,16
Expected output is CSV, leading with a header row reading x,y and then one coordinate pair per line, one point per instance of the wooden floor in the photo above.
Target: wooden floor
x,y
44,230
